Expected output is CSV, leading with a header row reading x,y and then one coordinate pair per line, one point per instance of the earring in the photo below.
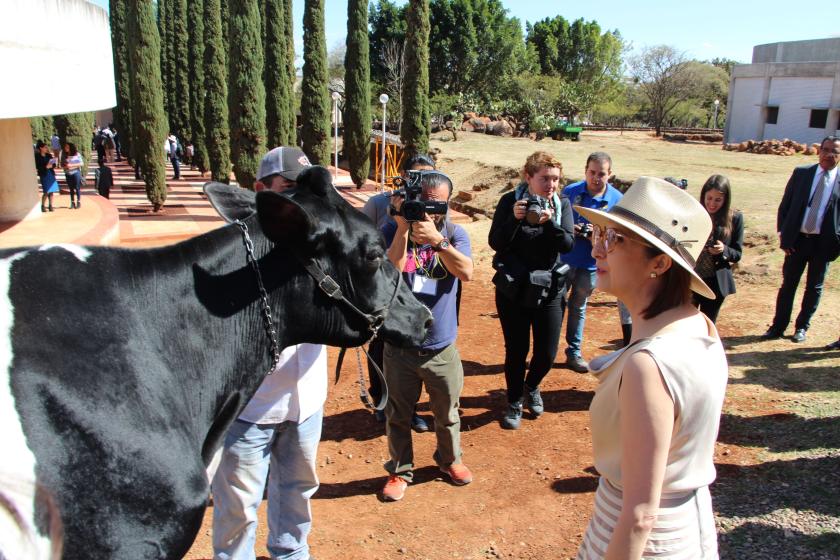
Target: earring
x,y
653,275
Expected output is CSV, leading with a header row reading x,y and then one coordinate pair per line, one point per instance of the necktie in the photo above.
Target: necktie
x,y
811,225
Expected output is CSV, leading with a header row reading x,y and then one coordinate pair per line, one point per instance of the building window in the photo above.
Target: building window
x,y
819,118
772,115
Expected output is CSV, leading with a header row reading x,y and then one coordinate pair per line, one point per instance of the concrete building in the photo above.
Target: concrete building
x,y
57,56
790,90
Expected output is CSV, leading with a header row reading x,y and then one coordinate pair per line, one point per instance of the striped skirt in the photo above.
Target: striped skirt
x,y
684,527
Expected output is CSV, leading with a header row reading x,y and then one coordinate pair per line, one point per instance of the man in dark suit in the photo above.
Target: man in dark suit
x,y
808,223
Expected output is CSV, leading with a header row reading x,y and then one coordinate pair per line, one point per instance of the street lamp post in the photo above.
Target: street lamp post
x,y
384,100
717,104
335,97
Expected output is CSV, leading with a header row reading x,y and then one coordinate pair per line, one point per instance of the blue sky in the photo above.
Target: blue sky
x,y
703,30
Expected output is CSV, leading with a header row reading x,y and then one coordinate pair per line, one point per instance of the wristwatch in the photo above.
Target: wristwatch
x,y
442,246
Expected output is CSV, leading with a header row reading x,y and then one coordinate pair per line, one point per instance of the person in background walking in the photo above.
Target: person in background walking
x,y
724,246
45,166
808,223
528,245
104,180
73,164
173,151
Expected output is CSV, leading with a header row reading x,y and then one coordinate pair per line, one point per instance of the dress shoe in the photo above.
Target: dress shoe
x,y
578,364
799,335
771,334
418,424
834,345
43,209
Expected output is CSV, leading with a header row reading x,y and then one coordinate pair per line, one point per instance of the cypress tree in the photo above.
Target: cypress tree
x,y
215,102
224,12
163,8
196,29
247,91
357,90
42,129
76,128
147,99
280,122
180,117
290,41
122,75
416,113
315,100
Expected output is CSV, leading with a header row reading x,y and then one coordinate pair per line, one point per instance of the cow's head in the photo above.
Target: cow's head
x,y
312,222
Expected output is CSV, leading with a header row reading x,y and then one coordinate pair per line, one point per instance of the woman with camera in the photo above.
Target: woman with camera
x,y
723,247
531,228
656,410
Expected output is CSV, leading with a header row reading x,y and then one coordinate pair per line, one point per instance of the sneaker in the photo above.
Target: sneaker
x,y
533,400
578,364
799,335
513,416
394,488
459,474
418,424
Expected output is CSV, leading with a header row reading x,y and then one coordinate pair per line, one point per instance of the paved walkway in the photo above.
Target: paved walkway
x,y
126,218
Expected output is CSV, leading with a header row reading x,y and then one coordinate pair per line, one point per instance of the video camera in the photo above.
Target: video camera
x,y
414,209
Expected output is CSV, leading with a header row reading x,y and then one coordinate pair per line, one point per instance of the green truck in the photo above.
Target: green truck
x,y
563,130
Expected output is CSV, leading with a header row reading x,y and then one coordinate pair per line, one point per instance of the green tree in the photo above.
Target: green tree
x,y
664,79
290,38
416,115
42,129
164,18
180,117
315,100
247,91
357,120
387,27
216,100
196,84
77,128
147,101
118,11
280,120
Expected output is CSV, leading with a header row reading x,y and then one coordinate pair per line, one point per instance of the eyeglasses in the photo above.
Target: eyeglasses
x,y
609,237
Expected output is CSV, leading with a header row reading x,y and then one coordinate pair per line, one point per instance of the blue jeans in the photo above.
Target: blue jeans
x,y
238,487
580,282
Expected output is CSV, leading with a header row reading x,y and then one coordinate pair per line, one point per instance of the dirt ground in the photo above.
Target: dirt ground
x,y
533,488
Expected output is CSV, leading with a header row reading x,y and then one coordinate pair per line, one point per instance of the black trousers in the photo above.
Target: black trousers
x,y
518,323
805,254
710,307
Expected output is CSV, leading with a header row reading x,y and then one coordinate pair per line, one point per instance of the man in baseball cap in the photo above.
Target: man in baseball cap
x,y
280,167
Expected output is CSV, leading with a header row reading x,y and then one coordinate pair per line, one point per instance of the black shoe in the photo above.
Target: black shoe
x,y
771,334
43,208
51,209
72,205
513,416
833,346
78,204
578,364
418,424
533,400
799,335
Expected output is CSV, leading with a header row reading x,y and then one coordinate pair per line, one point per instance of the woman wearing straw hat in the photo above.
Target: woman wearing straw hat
x,y
656,410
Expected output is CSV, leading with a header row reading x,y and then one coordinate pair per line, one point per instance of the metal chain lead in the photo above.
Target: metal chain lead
x,y
268,322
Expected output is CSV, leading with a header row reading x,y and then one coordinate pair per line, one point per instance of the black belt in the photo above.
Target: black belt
x,y
809,235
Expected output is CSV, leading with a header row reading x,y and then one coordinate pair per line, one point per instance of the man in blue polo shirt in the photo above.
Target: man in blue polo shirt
x,y
593,192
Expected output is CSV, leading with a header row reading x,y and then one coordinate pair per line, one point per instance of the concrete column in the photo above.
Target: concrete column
x,y
765,98
19,189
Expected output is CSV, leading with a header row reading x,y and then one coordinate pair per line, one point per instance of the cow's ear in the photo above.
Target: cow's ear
x,y
282,219
316,179
232,203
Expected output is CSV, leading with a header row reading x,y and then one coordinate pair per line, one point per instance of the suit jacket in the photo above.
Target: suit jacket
x,y
792,212
733,246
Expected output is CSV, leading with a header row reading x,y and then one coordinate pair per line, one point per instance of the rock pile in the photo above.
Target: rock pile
x,y
784,147
475,123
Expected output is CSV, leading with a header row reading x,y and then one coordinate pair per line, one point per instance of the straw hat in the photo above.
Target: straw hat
x,y
666,217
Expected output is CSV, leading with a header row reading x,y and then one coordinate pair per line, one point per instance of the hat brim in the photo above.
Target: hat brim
x,y
601,218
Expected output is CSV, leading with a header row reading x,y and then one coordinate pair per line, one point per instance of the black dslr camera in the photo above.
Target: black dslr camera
x,y
413,209
534,206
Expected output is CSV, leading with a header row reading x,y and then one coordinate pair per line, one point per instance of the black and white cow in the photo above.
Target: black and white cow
x,y
122,368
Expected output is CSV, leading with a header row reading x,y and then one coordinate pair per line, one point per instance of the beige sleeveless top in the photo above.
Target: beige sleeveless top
x,y
695,372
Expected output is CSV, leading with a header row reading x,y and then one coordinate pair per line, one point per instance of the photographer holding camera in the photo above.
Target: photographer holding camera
x,y
593,192
531,227
434,255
